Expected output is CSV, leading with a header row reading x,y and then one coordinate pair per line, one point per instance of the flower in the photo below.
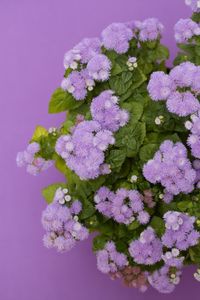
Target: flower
x,y
171,167
165,280
116,37
185,29
109,260
180,232
83,151
149,30
194,4
63,230
34,164
147,250
99,67
105,110
82,53
75,84
124,206
169,87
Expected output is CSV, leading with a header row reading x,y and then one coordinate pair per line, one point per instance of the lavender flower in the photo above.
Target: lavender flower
x,y
63,229
194,4
185,29
105,110
147,250
109,260
82,53
124,206
165,279
194,137
168,87
34,164
149,30
180,232
116,37
83,151
171,167
160,86
75,84
99,67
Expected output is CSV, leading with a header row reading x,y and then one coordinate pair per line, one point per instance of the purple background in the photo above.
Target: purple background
x,y
34,36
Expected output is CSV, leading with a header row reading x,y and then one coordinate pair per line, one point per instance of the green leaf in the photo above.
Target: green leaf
x,y
39,131
121,83
162,53
99,242
147,152
184,205
49,192
158,225
134,225
88,210
62,101
116,159
195,254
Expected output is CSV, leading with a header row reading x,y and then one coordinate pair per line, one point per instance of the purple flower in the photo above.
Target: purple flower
x,y
105,110
182,104
163,280
99,67
147,250
124,206
34,164
170,87
194,138
61,223
82,53
83,151
171,167
116,37
180,232
109,260
160,86
149,30
75,84
185,29
194,4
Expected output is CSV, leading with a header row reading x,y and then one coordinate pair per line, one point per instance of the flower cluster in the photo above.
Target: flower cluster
x,y
180,232
34,164
147,250
149,30
109,260
106,111
61,222
78,83
171,167
165,279
116,37
185,29
82,53
124,206
194,4
84,150
194,137
180,88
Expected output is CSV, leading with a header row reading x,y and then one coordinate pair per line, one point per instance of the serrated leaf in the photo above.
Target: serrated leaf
x,y
49,192
134,225
62,101
116,159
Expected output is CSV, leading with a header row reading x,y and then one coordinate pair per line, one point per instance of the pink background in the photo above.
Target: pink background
x,y
34,36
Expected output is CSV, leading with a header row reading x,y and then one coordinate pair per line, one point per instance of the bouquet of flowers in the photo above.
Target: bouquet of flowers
x,y
129,150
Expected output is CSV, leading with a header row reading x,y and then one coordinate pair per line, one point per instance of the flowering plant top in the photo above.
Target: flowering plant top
x,y
129,150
